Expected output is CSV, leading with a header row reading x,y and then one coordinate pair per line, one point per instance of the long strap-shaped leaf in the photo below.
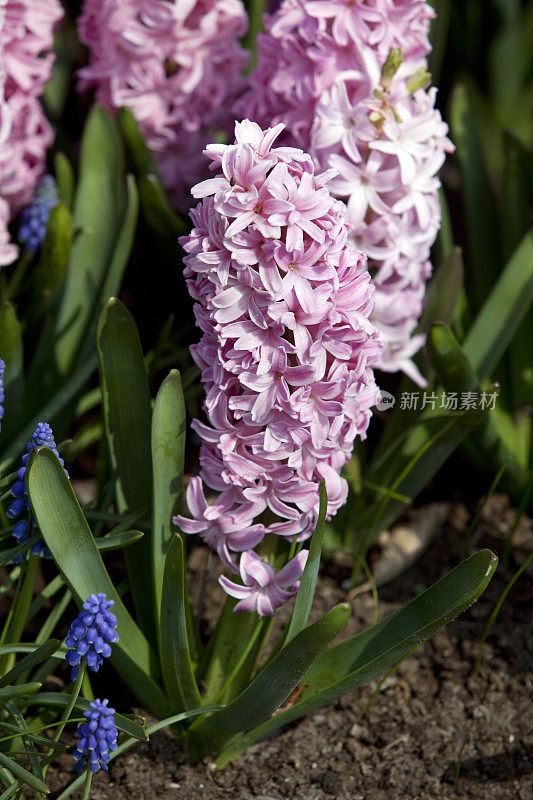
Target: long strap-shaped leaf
x,y
175,650
168,452
127,416
74,550
350,664
306,591
503,311
269,690
28,662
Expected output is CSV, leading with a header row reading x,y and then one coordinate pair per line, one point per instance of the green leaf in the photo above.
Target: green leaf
x,y
98,209
23,774
65,179
168,453
19,690
74,550
50,272
116,541
141,156
158,214
176,663
306,591
7,556
443,291
11,351
61,700
127,417
479,203
502,312
39,654
350,664
271,688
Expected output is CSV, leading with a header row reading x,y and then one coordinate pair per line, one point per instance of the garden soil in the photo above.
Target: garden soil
x,y
434,730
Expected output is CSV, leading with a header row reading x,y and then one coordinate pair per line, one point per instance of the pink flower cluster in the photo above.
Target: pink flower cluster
x,y
176,66
326,70
26,40
287,351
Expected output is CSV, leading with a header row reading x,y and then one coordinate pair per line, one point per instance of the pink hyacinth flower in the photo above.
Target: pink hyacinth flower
x,y
263,589
283,303
177,66
319,71
26,58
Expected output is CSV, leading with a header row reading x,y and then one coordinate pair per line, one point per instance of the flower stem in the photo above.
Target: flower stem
x,y
87,785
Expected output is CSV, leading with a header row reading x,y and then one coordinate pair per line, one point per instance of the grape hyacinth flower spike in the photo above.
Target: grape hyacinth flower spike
x,y
20,507
97,737
34,218
2,371
91,634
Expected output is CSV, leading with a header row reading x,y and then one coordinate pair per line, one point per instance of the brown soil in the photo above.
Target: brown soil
x,y
407,744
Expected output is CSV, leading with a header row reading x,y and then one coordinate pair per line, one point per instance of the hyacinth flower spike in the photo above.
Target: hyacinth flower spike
x,y
20,507
91,634
97,740
34,218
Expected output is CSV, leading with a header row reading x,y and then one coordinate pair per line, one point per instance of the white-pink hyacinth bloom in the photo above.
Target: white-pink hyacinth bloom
x,y
26,41
283,301
320,71
177,66
263,589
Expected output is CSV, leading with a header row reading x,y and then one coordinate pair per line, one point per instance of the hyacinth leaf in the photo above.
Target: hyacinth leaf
x,y
74,550
514,206
117,541
31,660
306,590
7,556
115,272
503,311
11,351
157,211
350,664
156,208
127,418
438,36
55,250
66,182
443,291
407,467
168,454
479,204
272,686
175,648
140,155
485,446
98,207
61,700
231,635
26,777
21,689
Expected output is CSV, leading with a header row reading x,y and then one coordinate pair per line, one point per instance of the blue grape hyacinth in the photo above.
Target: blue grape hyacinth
x,y
2,370
97,737
20,507
91,634
34,219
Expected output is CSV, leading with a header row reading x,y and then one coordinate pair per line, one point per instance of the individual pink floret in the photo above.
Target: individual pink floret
x,y
177,66
283,302
264,590
323,70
